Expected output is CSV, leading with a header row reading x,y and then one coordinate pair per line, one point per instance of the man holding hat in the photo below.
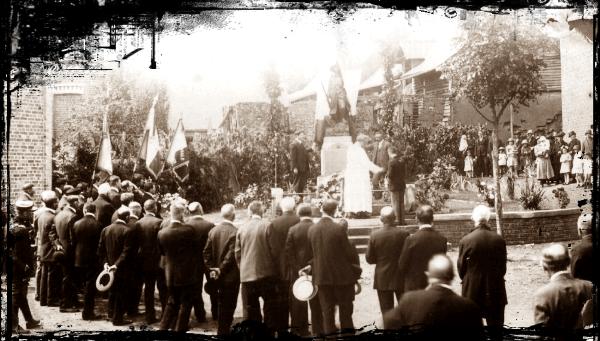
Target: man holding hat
x,y
114,249
23,259
48,246
559,303
26,193
64,221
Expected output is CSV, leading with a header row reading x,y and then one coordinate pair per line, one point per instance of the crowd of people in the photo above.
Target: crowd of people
x,y
547,156
184,254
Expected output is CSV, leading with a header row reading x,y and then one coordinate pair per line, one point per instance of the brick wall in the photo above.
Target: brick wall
x,y
519,227
577,66
27,141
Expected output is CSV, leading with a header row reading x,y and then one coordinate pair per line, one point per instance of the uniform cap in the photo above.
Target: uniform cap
x,y
24,204
27,186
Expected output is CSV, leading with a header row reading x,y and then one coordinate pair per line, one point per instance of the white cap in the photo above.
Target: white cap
x,y
103,189
48,195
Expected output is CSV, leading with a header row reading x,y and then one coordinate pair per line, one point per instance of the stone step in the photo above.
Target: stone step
x,y
360,237
366,229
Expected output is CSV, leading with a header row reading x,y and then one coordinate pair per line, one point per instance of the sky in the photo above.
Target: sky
x,y
207,68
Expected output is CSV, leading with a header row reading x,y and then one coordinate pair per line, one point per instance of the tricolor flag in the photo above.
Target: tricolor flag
x,y
104,161
150,149
177,157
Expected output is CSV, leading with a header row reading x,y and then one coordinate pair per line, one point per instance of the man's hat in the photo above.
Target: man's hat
x,y
588,132
502,148
72,190
524,142
571,133
24,205
27,186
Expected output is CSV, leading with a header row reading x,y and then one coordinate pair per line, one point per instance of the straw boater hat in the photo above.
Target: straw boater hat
x,y
524,142
105,279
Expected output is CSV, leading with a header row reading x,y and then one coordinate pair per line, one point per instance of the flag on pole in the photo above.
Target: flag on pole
x,y
104,161
150,148
177,157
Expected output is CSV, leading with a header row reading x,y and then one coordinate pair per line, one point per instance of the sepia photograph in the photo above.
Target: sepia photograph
x,y
261,170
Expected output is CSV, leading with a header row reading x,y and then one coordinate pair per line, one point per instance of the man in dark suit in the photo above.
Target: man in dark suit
x,y
558,304
125,199
135,276
582,263
384,249
219,257
296,257
481,156
176,244
115,250
201,228
86,235
335,268
482,266
587,145
381,158
277,232
258,270
64,221
299,162
437,312
50,277
418,250
115,190
396,183
104,207
149,225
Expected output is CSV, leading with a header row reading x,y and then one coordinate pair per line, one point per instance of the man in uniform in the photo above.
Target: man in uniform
x,y
26,193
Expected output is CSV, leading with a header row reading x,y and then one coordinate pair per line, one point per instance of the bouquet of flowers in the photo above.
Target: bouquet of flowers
x,y
244,198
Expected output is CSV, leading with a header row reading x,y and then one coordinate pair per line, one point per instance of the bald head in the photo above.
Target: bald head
x,y
135,208
150,206
228,212
195,208
555,258
386,215
440,270
177,210
287,204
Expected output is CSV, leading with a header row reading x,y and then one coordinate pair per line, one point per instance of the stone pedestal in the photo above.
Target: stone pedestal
x,y
333,154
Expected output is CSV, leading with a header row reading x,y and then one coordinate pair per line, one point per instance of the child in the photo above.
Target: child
x,y
469,164
587,170
577,169
525,157
565,163
511,153
502,160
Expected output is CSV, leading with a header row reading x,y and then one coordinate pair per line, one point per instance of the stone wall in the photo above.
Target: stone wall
x,y
519,227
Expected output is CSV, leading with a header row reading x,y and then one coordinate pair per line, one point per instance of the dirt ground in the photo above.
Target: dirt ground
x,y
524,276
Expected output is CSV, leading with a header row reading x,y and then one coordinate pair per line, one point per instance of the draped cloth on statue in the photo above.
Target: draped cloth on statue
x,y
357,182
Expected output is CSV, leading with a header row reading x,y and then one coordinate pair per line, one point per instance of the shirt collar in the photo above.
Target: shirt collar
x,y
151,214
134,216
90,214
227,221
433,285
306,218
254,216
197,216
555,276
425,226
71,208
120,221
176,221
115,189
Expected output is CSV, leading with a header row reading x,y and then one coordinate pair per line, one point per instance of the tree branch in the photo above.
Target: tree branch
x,y
510,99
479,112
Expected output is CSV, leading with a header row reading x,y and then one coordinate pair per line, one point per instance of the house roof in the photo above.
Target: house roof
x,y
584,27
431,63
377,78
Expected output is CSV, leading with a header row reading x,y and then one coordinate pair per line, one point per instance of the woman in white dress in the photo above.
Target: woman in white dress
x,y
357,182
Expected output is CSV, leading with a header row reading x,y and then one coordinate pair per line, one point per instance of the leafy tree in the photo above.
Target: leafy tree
x,y
497,66
389,96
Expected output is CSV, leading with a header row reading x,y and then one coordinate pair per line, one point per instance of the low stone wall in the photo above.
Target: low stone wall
x,y
518,227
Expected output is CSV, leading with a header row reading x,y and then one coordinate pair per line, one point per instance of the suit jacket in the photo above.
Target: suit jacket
x,y
334,260
46,234
176,243
299,157
396,175
115,198
86,235
149,253
384,249
296,248
23,258
582,263
380,155
482,266
418,250
64,222
436,310
559,303
201,229
252,252
114,248
104,210
277,232
219,252
481,148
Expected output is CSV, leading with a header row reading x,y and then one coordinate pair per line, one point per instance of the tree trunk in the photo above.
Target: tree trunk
x,y
498,196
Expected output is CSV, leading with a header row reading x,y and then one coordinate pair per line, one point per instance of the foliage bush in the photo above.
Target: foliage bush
x,y
531,196
561,195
